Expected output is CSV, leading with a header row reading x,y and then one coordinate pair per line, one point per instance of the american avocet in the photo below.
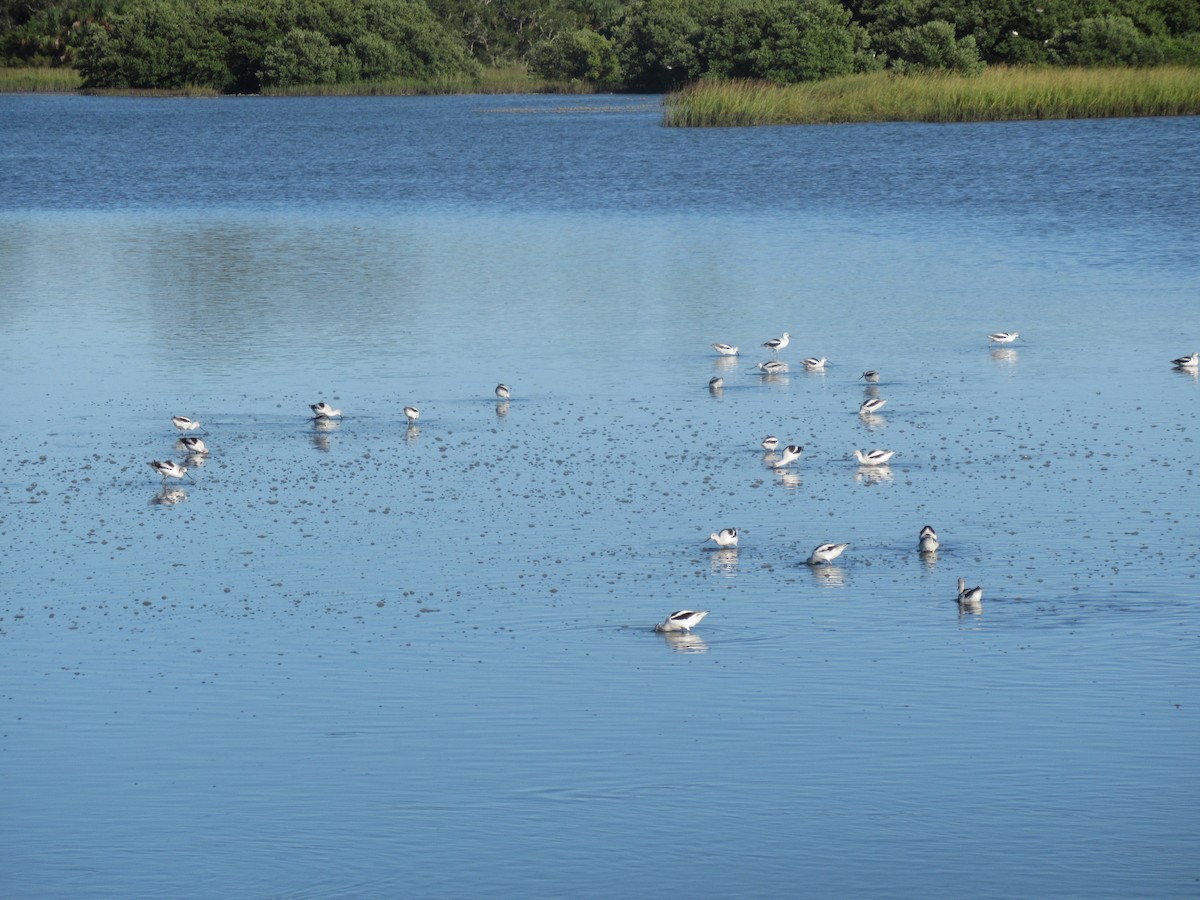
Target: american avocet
x,y
772,367
323,410
183,423
870,376
193,444
777,344
170,469
790,454
969,596
716,383
682,620
826,553
503,392
725,349
770,443
1004,337
412,414
928,540
726,537
871,406
813,364
1187,362
874,457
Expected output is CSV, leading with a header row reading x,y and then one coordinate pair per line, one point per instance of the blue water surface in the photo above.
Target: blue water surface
x,y
357,658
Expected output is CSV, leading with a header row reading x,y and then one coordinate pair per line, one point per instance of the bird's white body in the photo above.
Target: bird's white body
x,y
772,367
1187,362
412,413
1004,337
870,376
725,349
503,392
716,383
193,444
813,364
770,443
826,553
777,344
183,423
790,454
682,620
169,469
928,540
969,596
871,406
323,410
874,457
726,537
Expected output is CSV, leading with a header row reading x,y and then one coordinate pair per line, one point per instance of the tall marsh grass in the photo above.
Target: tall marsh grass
x,y
33,79
995,95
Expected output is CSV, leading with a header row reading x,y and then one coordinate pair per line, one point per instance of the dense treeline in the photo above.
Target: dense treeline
x,y
246,45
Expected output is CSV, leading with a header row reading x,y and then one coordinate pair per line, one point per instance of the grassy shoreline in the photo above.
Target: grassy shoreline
x,y
515,80
998,94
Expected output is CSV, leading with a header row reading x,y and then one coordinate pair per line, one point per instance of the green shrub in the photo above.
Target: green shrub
x,y
932,47
581,55
1107,41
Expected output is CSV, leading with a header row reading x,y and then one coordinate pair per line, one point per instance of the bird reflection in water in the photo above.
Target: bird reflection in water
x,y
1006,355
874,475
684,642
169,496
873,421
829,576
412,432
790,480
724,562
195,460
502,409
321,442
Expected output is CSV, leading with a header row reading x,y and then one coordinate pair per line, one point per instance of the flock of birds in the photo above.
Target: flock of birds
x,y
684,620
969,599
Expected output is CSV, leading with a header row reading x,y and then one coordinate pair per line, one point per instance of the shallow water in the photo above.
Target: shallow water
x,y
367,659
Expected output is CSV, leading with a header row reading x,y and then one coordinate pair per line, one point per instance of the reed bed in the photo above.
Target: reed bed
x,y
997,94
38,80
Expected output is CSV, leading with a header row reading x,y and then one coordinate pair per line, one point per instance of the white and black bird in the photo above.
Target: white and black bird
x,y
770,443
193,444
411,413
1187,362
772,367
726,537
790,454
716,383
682,620
183,423
815,364
503,392
927,541
170,469
870,376
872,406
323,410
826,553
969,596
725,349
777,344
1003,337
874,457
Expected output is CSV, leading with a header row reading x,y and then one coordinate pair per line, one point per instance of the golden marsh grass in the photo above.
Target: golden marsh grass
x,y
995,95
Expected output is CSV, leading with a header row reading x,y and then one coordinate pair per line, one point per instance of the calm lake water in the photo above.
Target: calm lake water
x,y
364,659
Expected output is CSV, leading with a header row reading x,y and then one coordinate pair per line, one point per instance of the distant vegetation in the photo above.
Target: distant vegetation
x,y
648,45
